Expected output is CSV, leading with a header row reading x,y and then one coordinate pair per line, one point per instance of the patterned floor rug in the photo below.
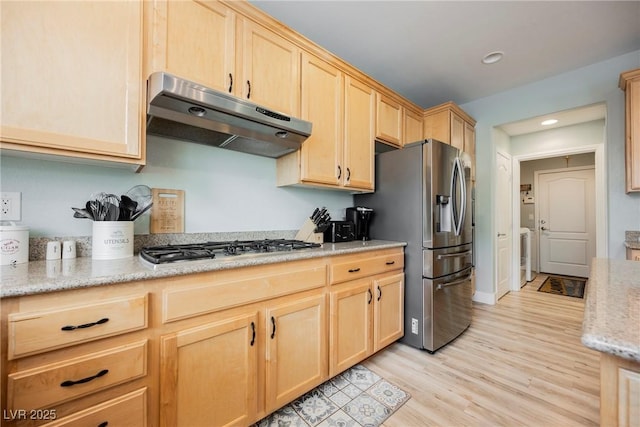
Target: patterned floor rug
x,y
357,397
564,285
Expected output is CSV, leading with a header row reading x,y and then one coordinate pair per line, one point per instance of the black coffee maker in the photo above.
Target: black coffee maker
x,y
361,217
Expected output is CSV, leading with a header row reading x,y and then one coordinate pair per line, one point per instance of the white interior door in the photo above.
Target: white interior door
x,y
504,219
566,221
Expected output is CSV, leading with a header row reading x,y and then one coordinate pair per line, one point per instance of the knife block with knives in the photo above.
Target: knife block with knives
x,y
313,228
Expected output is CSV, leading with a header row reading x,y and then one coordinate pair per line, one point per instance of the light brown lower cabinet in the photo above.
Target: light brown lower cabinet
x,y
296,336
619,391
129,409
366,316
223,348
208,373
633,254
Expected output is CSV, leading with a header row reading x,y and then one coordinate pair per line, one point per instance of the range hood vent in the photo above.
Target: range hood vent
x,y
183,110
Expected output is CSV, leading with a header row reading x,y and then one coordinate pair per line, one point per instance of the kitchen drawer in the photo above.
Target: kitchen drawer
x,y
342,269
59,382
219,292
127,410
34,332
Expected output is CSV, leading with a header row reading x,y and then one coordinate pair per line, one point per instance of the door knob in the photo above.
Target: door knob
x,y
502,234
543,228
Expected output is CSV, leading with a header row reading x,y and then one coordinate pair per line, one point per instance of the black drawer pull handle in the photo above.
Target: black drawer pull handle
x,y
253,333
379,293
348,174
70,383
339,172
86,325
370,296
249,91
104,424
390,262
354,270
230,82
273,330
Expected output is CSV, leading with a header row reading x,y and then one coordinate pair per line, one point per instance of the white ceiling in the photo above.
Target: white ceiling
x,y
564,118
431,51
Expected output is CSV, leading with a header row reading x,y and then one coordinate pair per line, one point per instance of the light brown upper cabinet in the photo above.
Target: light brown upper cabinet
x,y
413,127
211,44
339,152
388,120
630,83
72,81
196,41
449,123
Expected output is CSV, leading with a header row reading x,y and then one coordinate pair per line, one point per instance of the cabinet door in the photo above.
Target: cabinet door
x,y
271,69
438,126
412,127
632,151
350,330
388,120
72,78
470,146
322,104
296,348
388,324
357,171
208,374
195,40
457,132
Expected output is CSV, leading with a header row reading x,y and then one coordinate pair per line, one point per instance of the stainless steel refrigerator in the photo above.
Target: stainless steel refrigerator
x,y
423,196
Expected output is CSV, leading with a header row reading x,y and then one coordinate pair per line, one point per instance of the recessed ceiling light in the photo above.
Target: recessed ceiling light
x,y
549,122
492,57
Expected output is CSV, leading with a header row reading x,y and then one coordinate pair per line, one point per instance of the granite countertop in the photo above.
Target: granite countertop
x,y
49,276
612,308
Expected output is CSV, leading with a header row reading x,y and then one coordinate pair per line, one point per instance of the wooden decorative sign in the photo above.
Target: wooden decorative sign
x,y
167,212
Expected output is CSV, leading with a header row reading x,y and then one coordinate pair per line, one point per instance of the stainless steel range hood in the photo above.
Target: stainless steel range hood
x,y
184,110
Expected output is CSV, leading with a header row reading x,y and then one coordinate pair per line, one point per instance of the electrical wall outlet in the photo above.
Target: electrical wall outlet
x,y
10,206
414,326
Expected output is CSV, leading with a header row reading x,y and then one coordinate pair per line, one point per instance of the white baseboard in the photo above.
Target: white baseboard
x,y
484,297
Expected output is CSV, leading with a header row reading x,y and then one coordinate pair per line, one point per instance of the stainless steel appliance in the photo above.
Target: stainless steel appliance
x,y
361,216
155,256
423,197
187,111
340,231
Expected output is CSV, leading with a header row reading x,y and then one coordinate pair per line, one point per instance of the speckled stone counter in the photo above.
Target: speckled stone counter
x,y
49,276
612,308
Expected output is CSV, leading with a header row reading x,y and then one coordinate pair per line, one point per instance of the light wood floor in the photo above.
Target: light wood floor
x,y
520,363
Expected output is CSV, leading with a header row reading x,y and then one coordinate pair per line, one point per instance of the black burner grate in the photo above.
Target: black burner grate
x,y
209,250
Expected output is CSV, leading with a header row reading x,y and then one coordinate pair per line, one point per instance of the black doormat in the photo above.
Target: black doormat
x,y
564,285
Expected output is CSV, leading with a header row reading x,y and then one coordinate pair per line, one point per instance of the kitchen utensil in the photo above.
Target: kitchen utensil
x,y
141,194
113,212
127,208
141,211
82,213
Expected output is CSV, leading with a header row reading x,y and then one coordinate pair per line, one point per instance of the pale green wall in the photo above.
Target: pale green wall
x,y
224,190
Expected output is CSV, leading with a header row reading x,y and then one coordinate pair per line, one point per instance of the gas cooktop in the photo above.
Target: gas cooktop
x,y
169,254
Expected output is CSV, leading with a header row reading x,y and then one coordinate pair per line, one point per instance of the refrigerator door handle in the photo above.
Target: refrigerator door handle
x,y
456,282
454,255
458,171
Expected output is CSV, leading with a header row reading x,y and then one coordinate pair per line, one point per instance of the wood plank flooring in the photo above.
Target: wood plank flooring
x,y
520,363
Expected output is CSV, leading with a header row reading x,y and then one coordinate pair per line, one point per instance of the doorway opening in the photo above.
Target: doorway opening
x,y
572,142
